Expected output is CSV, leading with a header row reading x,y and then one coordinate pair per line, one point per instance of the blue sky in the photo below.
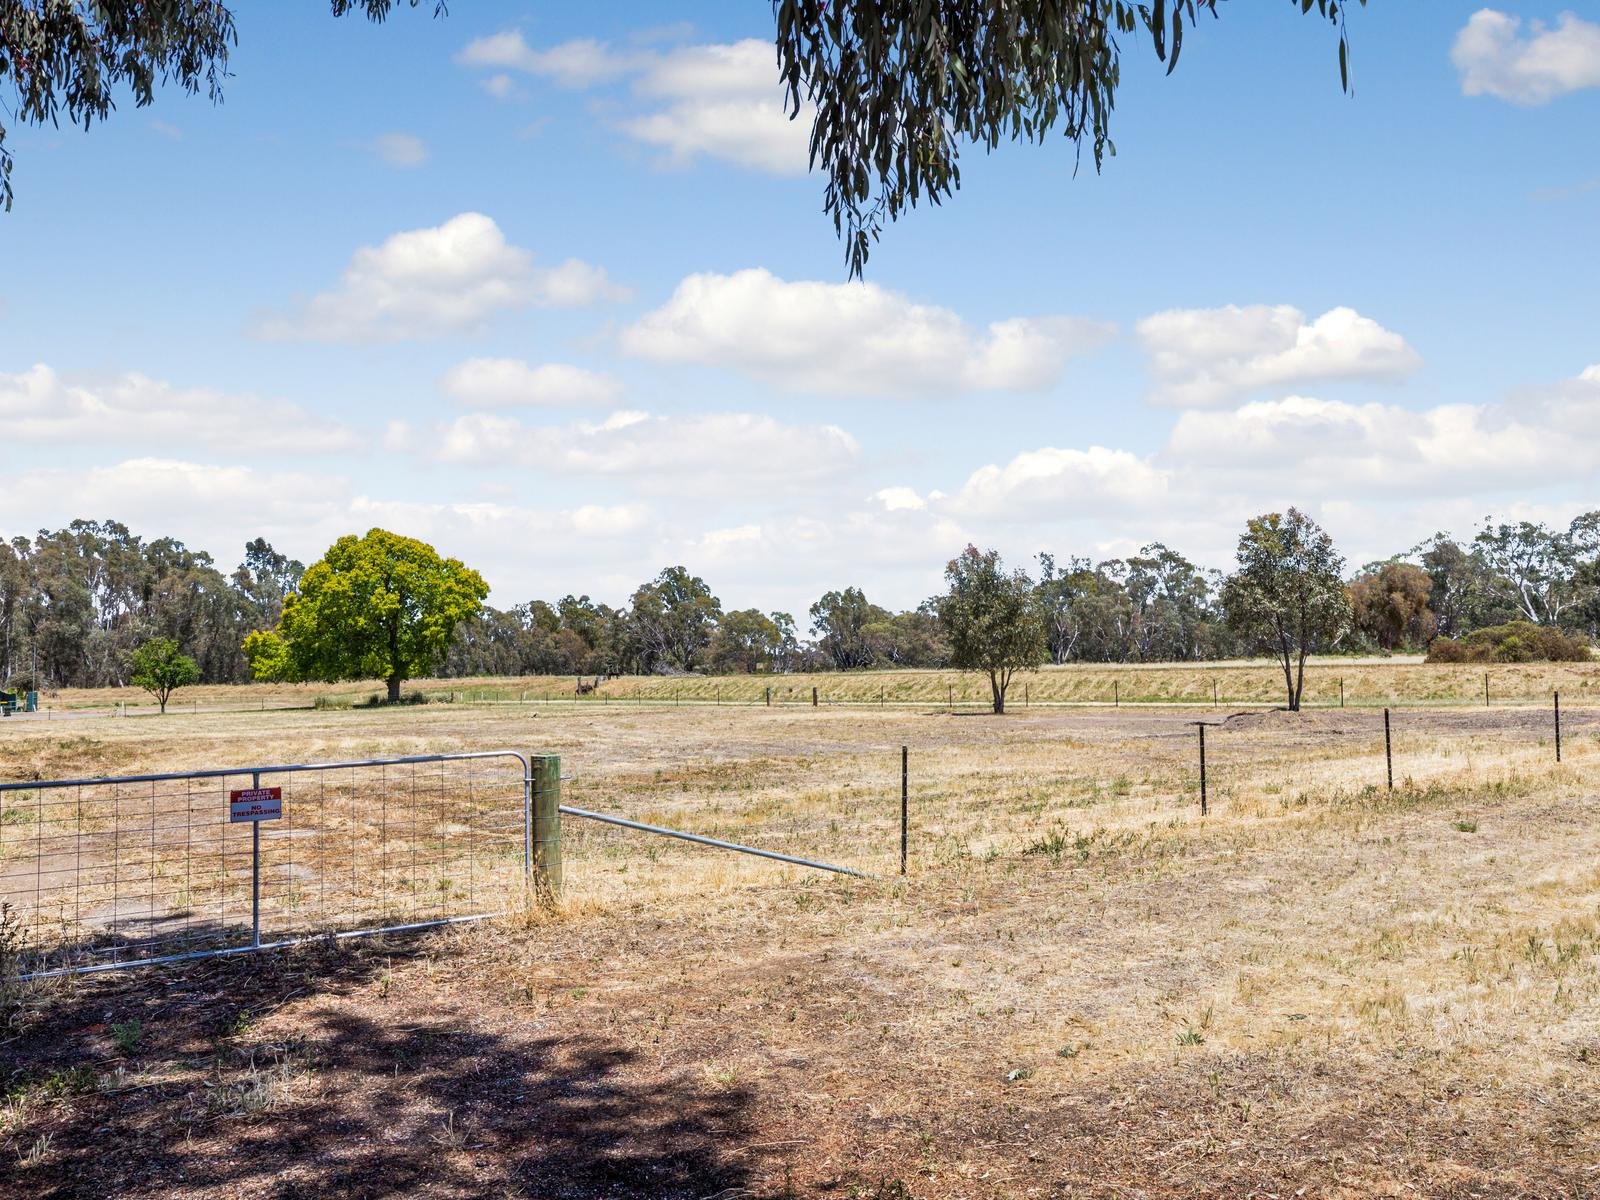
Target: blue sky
x,y
550,286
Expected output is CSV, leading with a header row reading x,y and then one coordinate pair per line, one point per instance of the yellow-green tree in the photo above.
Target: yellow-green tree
x,y
375,607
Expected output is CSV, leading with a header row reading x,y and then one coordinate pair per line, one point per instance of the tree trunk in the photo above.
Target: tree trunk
x,y
394,689
999,691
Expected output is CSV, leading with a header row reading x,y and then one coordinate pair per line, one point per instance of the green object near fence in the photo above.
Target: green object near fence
x,y
18,701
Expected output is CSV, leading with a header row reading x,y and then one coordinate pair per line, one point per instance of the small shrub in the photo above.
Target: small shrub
x,y
379,700
126,1035
1052,845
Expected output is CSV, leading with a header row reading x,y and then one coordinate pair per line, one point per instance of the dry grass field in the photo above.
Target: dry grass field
x,y
1081,988
1365,682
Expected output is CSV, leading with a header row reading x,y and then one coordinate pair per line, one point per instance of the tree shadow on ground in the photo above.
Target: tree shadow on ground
x,y
423,1100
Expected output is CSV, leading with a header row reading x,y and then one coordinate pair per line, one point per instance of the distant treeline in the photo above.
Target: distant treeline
x,y
75,603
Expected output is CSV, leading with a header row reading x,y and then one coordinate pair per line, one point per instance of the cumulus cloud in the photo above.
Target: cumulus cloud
x,y
723,101
1209,356
785,560
1495,57
518,548
852,338
1051,482
581,63
403,151
1327,447
434,281
716,455
510,382
39,406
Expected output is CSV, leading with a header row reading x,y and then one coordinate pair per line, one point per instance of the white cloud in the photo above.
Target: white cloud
x,y
506,382
785,561
519,549
1209,356
404,151
1051,483
852,338
722,101
899,499
434,281
581,63
1329,448
725,102
710,455
210,507
1495,58
501,87
39,406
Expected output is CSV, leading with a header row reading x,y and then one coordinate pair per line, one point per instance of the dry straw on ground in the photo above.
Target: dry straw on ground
x,y
1082,988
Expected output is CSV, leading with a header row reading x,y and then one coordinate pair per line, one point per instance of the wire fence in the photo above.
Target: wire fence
x,y
101,872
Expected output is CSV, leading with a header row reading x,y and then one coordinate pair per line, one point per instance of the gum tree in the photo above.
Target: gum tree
x,y
992,619
375,607
1288,596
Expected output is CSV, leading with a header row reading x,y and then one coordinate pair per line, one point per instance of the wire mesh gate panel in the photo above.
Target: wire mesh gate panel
x,y
104,872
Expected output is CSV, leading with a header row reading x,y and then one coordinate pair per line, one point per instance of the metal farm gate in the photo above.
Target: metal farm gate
x,y
99,874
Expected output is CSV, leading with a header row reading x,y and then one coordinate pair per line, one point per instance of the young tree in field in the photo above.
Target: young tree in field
x,y
992,619
160,668
375,607
896,87
1288,595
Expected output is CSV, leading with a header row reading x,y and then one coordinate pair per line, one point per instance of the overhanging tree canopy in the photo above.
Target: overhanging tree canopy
x,y
897,85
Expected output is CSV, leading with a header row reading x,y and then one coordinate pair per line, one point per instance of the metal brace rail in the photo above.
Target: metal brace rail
x,y
699,839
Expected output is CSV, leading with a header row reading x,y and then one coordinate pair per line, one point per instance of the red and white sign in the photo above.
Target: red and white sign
x,y
255,804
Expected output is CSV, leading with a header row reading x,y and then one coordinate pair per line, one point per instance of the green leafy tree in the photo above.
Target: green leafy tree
x,y
992,620
746,640
160,668
1288,595
908,639
1460,594
839,621
375,607
674,616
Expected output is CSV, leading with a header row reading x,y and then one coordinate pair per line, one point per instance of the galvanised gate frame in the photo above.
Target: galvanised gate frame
x,y
118,871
